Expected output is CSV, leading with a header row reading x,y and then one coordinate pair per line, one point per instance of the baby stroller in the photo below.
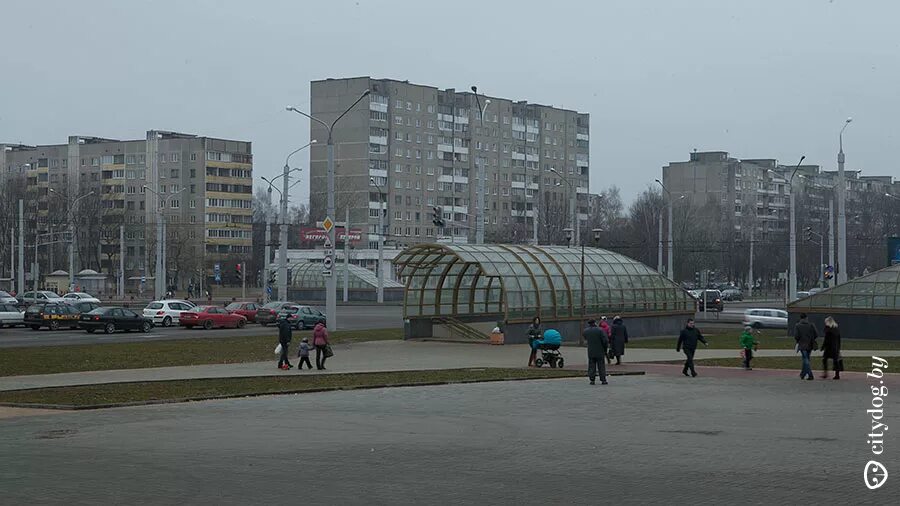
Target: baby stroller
x,y
549,347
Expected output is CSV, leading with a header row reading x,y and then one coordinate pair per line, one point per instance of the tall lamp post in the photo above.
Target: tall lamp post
x,y
479,196
160,279
792,242
842,210
380,273
821,243
572,205
71,219
569,237
671,247
330,281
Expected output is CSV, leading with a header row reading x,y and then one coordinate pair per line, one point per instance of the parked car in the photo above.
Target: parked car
x,y
732,294
766,318
166,312
246,309
802,295
6,298
111,319
813,291
302,317
211,316
80,297
695,294
269,312
52,315
712,299
39,297
10,315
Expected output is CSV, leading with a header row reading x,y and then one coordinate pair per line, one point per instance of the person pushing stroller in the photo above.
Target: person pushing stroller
x,y
548,345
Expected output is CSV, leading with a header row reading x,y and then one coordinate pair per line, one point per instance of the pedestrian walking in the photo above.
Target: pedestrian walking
x,y
535,331
303,354
748,345
687,340
618,338
284,339
320,341
831,346
605,328
805,336
597,344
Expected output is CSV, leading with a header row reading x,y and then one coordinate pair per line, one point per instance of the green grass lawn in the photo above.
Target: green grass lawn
x,y
198,389
768,339
859,364
102,357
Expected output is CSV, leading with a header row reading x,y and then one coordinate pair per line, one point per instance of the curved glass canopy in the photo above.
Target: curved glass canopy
x,y
875,292
309,275
523,281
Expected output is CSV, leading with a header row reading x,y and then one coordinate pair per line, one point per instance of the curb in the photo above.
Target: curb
x,y
71,407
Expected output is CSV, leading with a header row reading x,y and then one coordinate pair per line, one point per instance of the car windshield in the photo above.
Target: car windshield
x,y
274,305
99,310
155,305
290,310
233,306
4,294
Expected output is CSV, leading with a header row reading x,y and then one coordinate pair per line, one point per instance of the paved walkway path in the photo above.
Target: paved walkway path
x,y
377,357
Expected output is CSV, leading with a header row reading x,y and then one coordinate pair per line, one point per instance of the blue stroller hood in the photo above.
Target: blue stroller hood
x,y
552,336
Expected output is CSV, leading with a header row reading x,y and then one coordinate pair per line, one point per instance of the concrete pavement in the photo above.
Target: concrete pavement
x,y
376,357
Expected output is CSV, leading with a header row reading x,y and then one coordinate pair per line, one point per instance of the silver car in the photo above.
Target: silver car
x,y
10,315
766,318
6,298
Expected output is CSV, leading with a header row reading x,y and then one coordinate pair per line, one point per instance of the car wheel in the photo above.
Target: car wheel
x,y
241,323
109,328
54,325
90,331
35,327
145,327
207,325
167,321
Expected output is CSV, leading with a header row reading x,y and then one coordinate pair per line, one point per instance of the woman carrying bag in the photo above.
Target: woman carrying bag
x,y
323,347
831,346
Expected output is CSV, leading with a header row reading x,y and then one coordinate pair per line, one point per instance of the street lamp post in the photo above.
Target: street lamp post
x,y
160,279
71,219
330,281
842,210
479,196
380,266
671,247
792,242
821,244
282,230
572,204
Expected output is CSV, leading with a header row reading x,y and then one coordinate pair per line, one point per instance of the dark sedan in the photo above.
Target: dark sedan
x,y
269,312
111,319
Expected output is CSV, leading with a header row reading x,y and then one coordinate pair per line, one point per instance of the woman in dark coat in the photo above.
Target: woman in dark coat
x,y
535,331
831,346
618,338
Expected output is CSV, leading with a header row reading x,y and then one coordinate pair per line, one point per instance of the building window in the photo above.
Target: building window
x,y
398,104
398,120
430,108
193,157
192,204
174,157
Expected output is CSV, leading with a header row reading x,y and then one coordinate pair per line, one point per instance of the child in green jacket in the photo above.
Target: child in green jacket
x,y
748,344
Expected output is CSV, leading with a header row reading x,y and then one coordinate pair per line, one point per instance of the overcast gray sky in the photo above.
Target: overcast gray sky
x,y
762,78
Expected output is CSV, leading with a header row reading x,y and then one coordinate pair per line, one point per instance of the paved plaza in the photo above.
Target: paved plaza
x,y
655,439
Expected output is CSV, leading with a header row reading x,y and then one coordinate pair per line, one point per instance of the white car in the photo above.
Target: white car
x,y
80,297
167,312
39,297
766,318
6,298
10,315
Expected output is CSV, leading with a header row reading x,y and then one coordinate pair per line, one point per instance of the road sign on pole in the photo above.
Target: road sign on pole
x,y
328,224
327,264
217,270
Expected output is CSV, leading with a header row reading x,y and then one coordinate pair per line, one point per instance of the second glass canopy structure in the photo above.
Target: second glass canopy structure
x,y
523,281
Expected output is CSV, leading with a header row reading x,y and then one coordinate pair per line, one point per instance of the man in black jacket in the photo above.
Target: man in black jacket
x,y
284,338
805,335
597,344
688,340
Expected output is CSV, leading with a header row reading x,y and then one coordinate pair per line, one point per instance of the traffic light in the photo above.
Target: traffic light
x,y
238,273
272,278
436,217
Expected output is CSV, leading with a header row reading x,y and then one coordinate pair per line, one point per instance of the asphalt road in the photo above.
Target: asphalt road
x,y
652,439
349,318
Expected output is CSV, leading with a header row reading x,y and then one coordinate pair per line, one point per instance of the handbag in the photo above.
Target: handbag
x,y
278,349
328,351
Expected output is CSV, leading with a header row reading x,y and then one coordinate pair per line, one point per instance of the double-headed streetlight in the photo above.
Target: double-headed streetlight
x,y
330,281
479,196
71,219
669,271
160,280
792,242
842,209
380,266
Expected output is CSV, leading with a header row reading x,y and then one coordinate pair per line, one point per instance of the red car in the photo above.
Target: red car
x,y
209,317
245,309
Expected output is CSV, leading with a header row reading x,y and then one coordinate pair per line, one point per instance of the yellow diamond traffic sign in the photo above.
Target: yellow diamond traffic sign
x,y
327,224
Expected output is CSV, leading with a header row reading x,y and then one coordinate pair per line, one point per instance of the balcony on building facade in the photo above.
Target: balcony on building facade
x,y
378,139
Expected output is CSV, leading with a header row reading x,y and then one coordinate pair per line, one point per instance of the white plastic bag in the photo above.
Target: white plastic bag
x,y
496,330
278,349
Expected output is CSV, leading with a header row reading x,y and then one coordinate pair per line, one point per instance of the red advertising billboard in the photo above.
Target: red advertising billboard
x,y
318,235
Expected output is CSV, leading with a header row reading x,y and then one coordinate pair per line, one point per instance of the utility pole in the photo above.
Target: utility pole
x,y
243,280
379,270
20,282
283,236
12,258
752,280
841,267
346,253
266,263
659,252
831,238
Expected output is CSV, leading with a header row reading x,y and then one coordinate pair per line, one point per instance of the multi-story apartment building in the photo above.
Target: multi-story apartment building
x,y
756,191
201,185
419,147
